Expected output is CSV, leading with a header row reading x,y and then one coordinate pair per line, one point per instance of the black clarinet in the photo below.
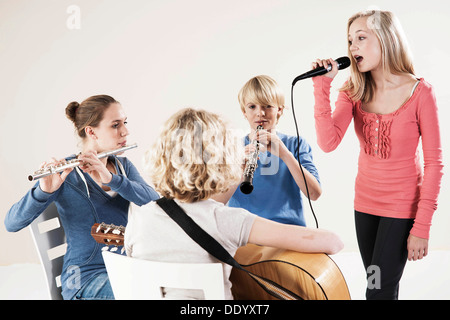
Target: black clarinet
x,y
250,167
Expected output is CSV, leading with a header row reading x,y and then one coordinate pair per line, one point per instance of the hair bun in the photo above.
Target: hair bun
x,y
71,110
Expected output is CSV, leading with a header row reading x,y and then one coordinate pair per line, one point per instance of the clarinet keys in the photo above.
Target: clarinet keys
x,y
250,167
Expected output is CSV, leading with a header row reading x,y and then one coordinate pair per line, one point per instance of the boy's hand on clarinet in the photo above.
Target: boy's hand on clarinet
x,y
249,149
271,142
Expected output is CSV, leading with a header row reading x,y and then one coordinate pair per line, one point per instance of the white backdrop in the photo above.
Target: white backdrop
x,y
156,57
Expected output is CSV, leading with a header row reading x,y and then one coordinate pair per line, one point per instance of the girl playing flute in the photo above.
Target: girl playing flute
x,y
99,190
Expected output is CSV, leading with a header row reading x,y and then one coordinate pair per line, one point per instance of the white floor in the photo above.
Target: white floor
x,y
427,279
422,280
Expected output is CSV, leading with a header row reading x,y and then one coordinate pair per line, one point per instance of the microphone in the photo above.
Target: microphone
x,y
342,63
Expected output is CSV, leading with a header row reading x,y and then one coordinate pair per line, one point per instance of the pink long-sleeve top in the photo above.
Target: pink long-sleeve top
x,y
390,181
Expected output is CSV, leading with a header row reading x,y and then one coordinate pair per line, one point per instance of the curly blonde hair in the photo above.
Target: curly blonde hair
x,y
195,157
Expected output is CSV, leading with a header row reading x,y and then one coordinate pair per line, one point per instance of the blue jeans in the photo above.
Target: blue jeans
x,y
99,288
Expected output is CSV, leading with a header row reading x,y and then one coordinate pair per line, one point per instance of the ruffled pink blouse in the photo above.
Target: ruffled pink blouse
x,y
390,180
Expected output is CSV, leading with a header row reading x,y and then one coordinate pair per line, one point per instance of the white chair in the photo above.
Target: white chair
x,y
50,241
140,279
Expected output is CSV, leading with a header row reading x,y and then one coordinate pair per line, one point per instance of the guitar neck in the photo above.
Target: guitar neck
x,y
108,234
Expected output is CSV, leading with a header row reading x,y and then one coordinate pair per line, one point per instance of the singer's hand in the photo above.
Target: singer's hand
x,y
94,166
417,248
324,63
52,182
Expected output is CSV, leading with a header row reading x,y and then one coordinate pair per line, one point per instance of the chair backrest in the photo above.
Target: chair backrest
x,y
50,241
140,279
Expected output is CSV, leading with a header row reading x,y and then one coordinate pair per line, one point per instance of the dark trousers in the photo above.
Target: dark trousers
x,y
383,246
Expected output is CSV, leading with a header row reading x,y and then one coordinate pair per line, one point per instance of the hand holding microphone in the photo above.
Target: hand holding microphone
x,y
329,64
328,67
320,67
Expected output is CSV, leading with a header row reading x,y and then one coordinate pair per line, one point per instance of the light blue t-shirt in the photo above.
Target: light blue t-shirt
x,y
276,195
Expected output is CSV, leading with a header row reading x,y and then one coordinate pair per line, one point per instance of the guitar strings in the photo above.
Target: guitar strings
x,y
274,289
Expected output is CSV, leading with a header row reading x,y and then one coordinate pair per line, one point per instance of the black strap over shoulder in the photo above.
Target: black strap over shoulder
x,y
215,249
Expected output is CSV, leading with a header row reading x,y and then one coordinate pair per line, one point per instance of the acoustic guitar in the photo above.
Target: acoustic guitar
x,y
311,276
109,234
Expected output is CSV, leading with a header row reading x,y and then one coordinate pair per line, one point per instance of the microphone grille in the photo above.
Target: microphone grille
x,y
343,62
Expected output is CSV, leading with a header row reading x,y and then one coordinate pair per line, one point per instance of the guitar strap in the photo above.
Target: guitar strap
x,y
214,248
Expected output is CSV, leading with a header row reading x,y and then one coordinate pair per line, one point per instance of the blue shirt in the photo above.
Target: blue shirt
x,y
81,202
276,195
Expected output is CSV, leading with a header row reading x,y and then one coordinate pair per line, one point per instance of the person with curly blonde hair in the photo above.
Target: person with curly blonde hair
x,y
196,158
198,162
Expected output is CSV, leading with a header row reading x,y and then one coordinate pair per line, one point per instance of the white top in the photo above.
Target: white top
x,y
151,234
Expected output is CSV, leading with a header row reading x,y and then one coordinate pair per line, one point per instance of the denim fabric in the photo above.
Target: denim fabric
x,y
99,288
81,202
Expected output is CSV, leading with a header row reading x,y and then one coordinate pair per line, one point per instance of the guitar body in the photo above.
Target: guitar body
x,y
312,276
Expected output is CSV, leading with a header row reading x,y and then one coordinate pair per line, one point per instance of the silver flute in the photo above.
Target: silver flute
x,y
250,167
72,164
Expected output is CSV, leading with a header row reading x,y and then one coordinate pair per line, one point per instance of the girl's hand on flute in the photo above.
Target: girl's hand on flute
x,y
52,182
94,166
